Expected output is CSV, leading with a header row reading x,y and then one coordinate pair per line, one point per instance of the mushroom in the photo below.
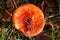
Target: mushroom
x,y
29,19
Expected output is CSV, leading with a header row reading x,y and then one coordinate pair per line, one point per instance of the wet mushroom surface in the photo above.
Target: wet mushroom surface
x,y
29,19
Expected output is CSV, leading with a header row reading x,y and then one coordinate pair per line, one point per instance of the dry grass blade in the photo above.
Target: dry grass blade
x,y
8,13
14,3
52,25
29,27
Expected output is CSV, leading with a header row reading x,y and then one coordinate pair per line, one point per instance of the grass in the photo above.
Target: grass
x,y
8,32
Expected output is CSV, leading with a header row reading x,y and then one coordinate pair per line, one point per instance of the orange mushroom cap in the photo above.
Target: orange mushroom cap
x,y
29,19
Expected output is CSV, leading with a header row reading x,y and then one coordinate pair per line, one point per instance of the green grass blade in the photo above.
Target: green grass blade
x,y
31,38
2,36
